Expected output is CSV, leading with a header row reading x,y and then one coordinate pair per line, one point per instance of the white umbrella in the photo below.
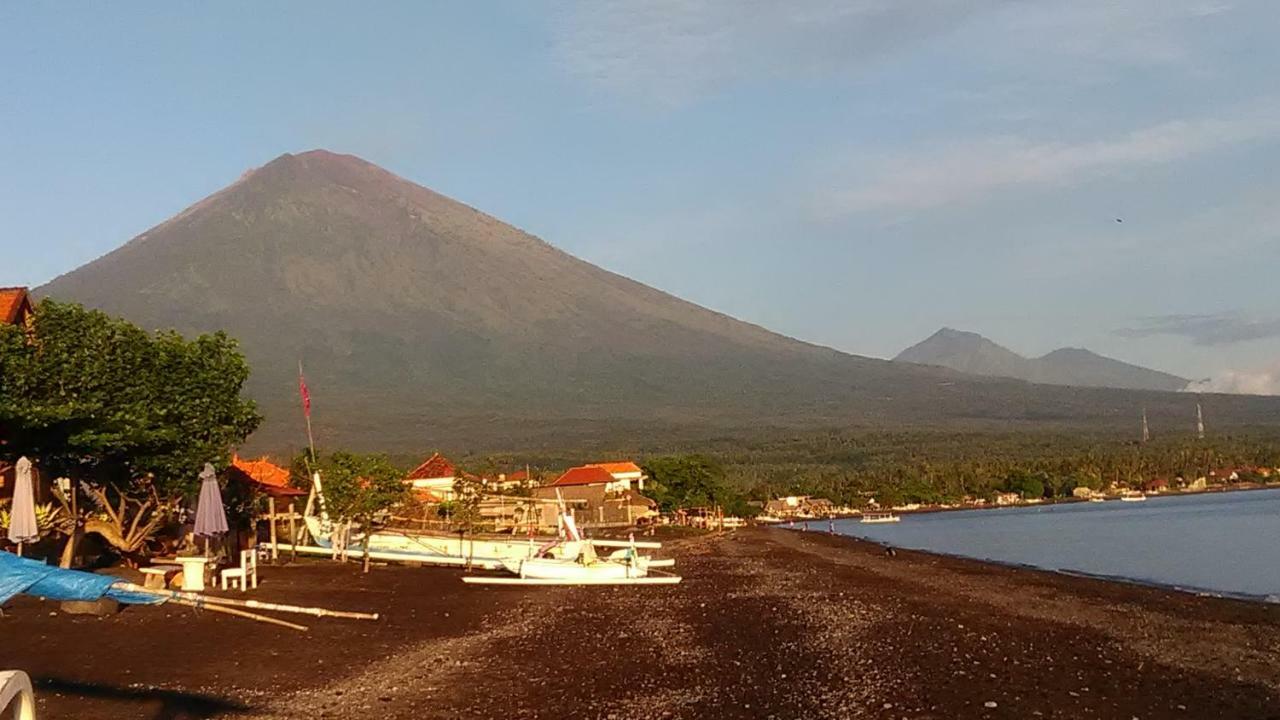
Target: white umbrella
x,y
211,518
22,518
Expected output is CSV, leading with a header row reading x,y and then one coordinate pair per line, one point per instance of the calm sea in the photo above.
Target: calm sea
x,y
1226,543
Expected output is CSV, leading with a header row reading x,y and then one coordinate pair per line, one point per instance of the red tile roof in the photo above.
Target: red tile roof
x,y
586,475
435,466
617,468
267,475
13,303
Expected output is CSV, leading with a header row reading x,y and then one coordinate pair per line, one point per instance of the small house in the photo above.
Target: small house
x,y
433,479
626,474
16,307
1008,498
264,476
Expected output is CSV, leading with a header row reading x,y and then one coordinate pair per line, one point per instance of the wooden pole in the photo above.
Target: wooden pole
x,y
255,604
271,513
239,613
293,533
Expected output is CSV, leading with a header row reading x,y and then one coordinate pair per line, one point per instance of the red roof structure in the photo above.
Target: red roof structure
x,y
435,466
15,305
585,475
267,476
617,468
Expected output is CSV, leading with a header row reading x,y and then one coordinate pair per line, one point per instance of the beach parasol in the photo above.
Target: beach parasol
x,y
22,518
211,518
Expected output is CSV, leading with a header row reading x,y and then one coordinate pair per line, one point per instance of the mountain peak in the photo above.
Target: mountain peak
x,y
418,317
972,353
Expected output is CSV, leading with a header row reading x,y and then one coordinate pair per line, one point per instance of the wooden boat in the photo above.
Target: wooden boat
x,y
433,549
581,566
880,517
1132,496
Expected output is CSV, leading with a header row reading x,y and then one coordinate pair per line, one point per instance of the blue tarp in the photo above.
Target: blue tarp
x,y
22,575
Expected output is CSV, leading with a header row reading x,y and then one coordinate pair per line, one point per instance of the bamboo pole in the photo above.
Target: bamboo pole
x,y
255,604
293,533
271,513
238,613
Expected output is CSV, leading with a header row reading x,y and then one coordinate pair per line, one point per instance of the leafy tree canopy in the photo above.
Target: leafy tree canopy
x,y
691,481
96,397
359,487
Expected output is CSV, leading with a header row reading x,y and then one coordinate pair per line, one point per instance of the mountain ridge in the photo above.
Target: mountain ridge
x,y
1075,366
422,321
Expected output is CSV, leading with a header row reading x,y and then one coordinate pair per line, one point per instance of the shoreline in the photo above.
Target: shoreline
x,y
1249,487
1269,599
766,624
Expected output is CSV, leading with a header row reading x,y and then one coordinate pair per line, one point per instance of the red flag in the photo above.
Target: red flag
x,y
306,396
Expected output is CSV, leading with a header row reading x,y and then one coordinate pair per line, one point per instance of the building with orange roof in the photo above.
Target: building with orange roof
x,y
586,475
627,473
433,480
16,307
264,476
598,497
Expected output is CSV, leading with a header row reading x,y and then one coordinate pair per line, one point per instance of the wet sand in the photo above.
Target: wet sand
x,y
768,623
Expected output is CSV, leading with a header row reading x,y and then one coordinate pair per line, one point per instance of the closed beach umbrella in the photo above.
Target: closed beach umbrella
x,y
211,518
22,518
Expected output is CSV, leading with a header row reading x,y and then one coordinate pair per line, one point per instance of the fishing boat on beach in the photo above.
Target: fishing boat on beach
x,y
880,517
579,565
396,545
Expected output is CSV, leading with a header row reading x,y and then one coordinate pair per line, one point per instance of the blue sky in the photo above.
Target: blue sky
x,y
854,173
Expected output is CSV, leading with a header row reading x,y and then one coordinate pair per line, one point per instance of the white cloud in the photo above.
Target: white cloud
x,y
1241,382
971,169
672,51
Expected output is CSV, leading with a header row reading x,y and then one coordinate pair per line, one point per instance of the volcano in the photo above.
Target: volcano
x,y
424,322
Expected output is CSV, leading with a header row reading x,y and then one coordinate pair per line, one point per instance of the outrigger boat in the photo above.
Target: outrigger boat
x,y
579,565
487,553
880,517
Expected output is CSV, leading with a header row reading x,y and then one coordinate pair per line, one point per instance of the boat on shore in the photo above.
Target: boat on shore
x,y
438,549
880,517
1132,496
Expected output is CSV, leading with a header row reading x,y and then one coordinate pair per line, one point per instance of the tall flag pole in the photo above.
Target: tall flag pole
x,y
306,410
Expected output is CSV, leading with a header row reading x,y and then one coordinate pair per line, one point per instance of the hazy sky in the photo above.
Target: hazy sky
x,y
856,173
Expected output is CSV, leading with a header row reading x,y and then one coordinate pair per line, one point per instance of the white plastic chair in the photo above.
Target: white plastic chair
x,y
246,574
15,688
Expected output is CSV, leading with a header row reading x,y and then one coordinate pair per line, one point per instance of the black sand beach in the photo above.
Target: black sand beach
x,y
767,624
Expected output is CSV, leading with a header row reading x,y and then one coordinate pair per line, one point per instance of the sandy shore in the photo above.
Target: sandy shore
x,y
768,623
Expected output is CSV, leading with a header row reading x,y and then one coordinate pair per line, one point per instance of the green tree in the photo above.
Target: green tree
x,y
691,481
101,401
358,489
468,493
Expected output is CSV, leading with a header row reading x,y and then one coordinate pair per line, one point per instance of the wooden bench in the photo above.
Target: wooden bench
x,y
158,576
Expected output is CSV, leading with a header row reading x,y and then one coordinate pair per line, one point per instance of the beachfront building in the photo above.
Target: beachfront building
x,y
598,498
16,307
1008,498
264,477
433,479
799,506
626,474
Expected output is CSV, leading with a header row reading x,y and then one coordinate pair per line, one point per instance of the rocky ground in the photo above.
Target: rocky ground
x,y
767,624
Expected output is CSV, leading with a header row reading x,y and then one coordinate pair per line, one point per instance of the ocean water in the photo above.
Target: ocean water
x,y
1227,543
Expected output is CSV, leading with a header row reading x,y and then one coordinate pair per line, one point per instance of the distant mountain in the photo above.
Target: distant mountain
x,y
971,353
424,323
